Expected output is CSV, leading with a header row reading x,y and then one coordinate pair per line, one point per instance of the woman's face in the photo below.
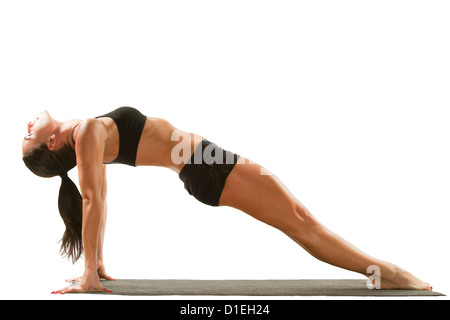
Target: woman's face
x,y
39,130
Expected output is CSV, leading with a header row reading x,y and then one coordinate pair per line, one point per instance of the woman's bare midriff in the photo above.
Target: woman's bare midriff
x,y
163,145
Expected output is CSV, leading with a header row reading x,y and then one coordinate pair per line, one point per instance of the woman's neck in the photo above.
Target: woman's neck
x,y
64,131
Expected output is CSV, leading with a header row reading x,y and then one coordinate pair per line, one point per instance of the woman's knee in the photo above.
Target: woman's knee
x,y
301,225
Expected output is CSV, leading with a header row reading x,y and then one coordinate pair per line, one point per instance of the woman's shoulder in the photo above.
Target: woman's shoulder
x,y
90,129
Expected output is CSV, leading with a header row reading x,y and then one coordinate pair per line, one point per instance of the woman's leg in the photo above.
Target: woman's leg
x,y
265,198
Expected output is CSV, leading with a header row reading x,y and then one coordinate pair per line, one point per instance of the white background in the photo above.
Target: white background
x,y
347,102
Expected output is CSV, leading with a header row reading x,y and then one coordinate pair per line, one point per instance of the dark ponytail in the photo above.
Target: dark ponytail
x,y
70,208
46,163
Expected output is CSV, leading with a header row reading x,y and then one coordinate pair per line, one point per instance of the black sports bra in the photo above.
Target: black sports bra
x,y
130,123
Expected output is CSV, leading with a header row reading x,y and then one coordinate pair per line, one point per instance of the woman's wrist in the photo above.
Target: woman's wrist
x,y
90,266
100,263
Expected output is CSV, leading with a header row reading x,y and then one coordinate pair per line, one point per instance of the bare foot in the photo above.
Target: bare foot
x,y
394,277
404,280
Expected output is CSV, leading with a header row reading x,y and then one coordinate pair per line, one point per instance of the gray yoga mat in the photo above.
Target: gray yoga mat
x,y
323,287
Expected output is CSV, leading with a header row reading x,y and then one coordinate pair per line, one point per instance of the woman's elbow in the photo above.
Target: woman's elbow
x,y
91,199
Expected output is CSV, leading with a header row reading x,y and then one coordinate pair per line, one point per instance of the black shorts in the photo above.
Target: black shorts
x,y
205,173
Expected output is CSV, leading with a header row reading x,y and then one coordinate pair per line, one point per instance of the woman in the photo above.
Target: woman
x,y
214,176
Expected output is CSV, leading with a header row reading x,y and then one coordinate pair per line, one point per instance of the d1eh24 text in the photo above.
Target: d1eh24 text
x,y
246,309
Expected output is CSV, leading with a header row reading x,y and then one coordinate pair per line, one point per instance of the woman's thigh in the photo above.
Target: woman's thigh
x,y
253,190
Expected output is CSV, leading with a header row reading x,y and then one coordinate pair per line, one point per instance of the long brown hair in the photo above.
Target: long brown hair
x,y
46,163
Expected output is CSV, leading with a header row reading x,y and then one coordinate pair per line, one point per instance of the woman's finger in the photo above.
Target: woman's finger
x,y
73,279
107,277
76,289
80,289
60,290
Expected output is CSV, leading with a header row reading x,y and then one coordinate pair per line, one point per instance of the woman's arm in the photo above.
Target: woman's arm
x,y
90,146
100,265
101,271
104,215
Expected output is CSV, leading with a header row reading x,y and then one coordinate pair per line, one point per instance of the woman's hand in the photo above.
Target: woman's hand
x,y
101,272
89,282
